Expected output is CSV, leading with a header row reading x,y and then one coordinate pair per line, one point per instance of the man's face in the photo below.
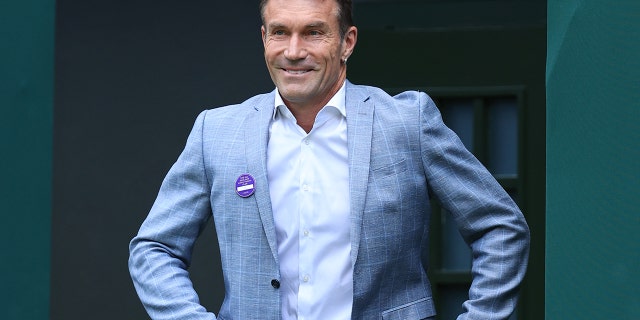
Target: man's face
x,y
303,50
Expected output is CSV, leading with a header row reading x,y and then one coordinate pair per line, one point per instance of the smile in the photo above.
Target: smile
x,y
296,71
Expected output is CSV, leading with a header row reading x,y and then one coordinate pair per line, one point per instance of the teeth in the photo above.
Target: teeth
x,y
297,72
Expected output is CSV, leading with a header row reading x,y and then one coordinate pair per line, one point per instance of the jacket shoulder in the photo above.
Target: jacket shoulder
x,y
410,97
255,102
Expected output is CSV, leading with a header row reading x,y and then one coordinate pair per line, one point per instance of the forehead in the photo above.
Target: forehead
x,y
292,11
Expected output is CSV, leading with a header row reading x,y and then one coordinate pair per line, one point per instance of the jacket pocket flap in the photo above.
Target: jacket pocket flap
x,y
419,309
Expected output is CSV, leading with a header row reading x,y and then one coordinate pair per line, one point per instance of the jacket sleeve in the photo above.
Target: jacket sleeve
x,y
160,254
486,216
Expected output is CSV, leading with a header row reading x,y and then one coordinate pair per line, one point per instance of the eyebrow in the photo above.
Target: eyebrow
x,y
275,25
315,24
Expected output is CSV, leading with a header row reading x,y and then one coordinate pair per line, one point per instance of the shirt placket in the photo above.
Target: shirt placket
x,y
305,261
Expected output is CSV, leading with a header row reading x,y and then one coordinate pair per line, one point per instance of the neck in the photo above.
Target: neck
x,y
305,114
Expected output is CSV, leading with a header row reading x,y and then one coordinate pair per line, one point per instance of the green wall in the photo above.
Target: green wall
x,y
593,153
26,108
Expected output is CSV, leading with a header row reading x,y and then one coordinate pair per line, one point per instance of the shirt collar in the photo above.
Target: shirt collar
x,y
338,101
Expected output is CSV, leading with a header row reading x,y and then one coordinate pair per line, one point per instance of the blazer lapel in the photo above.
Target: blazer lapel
x,y
359,108
256,136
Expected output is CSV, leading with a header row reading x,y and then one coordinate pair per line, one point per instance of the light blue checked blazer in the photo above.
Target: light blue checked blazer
x,y
399,149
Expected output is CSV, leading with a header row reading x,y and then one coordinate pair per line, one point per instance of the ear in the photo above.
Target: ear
x,y
349,42
263,32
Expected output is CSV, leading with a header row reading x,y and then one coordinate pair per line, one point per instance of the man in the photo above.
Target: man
x,y
319,193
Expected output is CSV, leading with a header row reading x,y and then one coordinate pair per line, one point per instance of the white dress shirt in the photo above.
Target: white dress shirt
x,y
309,185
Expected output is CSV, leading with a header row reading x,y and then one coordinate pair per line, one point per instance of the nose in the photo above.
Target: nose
x,y
295,50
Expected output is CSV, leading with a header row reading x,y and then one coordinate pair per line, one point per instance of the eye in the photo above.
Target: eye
x,y
314,33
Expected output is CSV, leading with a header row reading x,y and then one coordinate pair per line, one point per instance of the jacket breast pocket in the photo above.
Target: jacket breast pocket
x,y
386,186
394,168
416,310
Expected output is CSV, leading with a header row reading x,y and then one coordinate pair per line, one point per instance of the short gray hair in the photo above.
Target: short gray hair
x,y
345,14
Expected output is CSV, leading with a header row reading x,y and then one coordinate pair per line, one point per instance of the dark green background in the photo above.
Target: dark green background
x,y
26,111
593,157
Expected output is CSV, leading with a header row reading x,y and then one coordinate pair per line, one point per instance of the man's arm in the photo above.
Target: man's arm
x,y
488,219
161,252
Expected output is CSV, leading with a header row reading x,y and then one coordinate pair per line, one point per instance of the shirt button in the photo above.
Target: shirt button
x,y
275,284
305,187
307,142
306,233
305,278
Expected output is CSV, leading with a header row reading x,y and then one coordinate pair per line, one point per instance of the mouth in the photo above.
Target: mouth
x,y
296,72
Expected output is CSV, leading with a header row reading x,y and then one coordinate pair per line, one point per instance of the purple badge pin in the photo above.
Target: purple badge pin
x,y
245,185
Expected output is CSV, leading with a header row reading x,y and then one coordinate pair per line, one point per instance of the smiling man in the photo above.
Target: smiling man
x,y
306,51
319,191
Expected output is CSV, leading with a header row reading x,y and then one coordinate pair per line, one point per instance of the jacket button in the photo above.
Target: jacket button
x,y
275,284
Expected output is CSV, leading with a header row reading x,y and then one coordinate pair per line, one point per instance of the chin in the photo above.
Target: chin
x,y
292,95
295,98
